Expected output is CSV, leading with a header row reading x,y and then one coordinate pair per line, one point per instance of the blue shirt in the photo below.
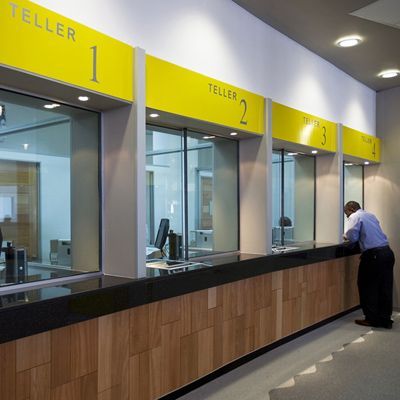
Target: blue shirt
x,y
363,227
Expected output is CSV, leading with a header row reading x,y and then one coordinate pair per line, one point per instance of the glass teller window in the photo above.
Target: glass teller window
x,y
49,189
353,185
192,181
293,194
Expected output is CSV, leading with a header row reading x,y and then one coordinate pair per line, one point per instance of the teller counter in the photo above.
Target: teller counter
x,y
111,336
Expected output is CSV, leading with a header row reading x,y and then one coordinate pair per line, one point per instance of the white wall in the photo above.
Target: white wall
x,y
220,39
382,182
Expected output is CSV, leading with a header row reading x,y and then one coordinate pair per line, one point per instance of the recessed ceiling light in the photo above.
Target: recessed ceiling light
x,y
390,73
366,163
83,98
51,106
292,154
233,133
314,151
348,41
25,146
154,115
208,137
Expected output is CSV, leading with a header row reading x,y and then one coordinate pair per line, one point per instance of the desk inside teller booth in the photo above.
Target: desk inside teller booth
x,y
287,234
201,239
153,252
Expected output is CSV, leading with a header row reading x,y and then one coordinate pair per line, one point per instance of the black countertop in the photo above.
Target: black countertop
x,y
41,309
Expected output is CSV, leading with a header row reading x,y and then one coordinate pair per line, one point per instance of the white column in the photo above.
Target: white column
x,y
329,196
255,158
124,186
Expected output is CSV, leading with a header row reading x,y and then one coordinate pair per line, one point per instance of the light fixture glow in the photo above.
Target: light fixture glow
x,y
390,73
292,154
314,151
51,106
348,41
233,133
25,146
366,163
154,115
348,164
208,137
83,98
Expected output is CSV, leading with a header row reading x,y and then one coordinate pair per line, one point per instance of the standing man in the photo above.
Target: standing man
x,y
375,272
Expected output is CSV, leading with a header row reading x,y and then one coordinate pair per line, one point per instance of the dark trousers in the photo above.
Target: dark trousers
x,y
375,284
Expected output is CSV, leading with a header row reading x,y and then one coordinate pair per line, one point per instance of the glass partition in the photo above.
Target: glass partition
x,y
353,182
49,189
212,193
164,186
293,198
192,185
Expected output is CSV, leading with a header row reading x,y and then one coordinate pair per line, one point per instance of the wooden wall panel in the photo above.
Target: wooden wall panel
x,y
151,350
40,383
205,351
113,350
33,351
84,348
8,371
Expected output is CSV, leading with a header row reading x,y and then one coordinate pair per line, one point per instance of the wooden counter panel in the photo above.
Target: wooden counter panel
x,y
148,351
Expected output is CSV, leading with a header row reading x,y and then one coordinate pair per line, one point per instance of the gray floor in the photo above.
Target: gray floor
x,y
254,380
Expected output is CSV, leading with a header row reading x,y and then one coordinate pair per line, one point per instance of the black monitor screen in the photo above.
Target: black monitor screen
x,y
162,233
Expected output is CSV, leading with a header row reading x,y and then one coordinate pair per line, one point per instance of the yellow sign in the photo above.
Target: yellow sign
x,y
183,92
298,127
358,144
39,41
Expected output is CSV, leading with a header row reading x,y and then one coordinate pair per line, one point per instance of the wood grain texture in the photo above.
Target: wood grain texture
x,y
205,351
113,350
84,348
8,371
40,383
61,371
33,351
170,356
148,351
189,370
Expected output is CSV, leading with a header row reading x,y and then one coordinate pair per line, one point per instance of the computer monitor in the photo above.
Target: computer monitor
x,y
162,234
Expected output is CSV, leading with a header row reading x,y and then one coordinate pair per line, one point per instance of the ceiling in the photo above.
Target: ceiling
x,y
317,24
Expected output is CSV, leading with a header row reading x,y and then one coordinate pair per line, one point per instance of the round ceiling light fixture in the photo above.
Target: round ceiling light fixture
x,y
348,41
390,73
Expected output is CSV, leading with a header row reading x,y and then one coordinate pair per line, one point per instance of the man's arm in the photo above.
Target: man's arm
x,y
353,231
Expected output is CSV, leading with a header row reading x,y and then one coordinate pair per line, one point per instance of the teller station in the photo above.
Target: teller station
x,y
150,239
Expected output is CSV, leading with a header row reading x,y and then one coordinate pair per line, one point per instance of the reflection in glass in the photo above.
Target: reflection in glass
x,y
195,189
49,189
293,189
277,197
164,183
212,175
353,184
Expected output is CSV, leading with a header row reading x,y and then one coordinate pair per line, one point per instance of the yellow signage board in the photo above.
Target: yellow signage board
x,y
44,43
179,91
361,145
306,129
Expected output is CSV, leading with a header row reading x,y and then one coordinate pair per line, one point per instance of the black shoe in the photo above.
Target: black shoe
x,y
387,324
364,322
